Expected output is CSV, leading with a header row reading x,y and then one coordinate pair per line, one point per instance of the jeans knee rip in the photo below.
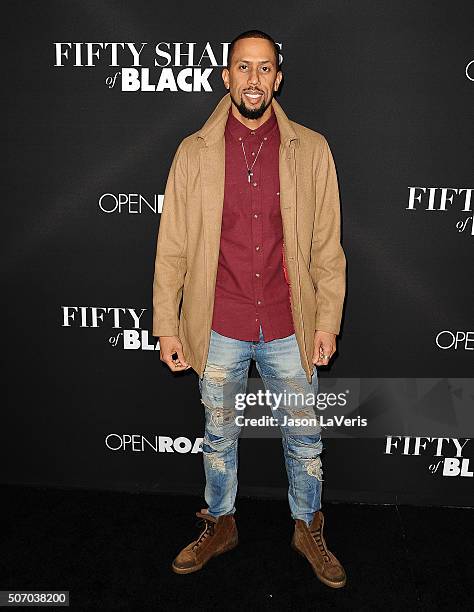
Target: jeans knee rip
x,y
216,463
219,417
215,375
314,468
299,385
307,450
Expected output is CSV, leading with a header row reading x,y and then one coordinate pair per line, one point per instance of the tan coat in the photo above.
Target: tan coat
x,y
187,249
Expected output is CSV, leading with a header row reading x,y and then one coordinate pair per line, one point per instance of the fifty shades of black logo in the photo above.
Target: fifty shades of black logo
x,y
164,66
448,454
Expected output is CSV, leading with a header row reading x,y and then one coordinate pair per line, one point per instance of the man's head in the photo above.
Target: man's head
x,y
253,72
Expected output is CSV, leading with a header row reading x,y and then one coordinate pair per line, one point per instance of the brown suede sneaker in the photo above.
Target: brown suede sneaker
x,y
310,543
219,536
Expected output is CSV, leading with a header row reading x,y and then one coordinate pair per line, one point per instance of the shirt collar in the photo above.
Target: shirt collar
x,y
239,131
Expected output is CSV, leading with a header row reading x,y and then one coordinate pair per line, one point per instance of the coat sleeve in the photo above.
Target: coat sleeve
x,y
170,260
328,261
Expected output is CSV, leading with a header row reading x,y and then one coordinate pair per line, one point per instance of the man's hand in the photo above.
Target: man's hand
x,y
169,345
324,347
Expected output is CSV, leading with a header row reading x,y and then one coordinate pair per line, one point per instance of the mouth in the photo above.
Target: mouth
x,y
254,97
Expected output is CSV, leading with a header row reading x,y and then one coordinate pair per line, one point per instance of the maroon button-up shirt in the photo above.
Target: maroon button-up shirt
x,y
251,284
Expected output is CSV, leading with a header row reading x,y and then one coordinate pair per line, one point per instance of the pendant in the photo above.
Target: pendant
x,y
250,174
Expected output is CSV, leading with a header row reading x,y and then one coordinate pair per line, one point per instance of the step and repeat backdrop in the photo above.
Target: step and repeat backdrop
x,y
99,95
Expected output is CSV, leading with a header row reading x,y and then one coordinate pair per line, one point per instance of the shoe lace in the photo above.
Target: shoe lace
x,y
207,530
318,538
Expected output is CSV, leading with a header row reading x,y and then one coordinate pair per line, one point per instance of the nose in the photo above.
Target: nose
x,y
253,76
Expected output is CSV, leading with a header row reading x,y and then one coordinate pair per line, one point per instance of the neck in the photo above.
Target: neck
x,y
252,124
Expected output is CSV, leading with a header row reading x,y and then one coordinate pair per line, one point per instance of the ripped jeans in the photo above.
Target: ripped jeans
x,y
277,361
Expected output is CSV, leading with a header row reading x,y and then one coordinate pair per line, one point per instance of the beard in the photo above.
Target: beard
x,y
251,113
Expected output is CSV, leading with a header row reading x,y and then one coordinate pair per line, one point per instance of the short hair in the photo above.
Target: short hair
x,y
254,34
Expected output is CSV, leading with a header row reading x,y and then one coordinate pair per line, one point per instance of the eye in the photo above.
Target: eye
x,y
243,66
265,68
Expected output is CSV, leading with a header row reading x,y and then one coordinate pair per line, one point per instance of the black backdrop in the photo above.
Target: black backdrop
x,y
390,85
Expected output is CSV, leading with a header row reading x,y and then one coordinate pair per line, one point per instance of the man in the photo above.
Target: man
x,y
250,240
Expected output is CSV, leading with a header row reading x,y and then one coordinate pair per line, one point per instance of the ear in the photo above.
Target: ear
x,y
278,79
225,77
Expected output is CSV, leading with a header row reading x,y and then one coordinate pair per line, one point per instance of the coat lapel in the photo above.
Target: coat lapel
x,y
212,165
288,199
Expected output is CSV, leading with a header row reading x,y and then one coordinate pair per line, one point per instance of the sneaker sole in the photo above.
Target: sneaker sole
x,y
334,585
196,568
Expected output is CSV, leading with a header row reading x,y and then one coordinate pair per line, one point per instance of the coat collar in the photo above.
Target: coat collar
x,y
213,129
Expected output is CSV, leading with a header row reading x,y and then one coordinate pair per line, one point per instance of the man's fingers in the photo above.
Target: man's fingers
x,y
171,353
176,366
323,353
181,358
175,363
321,360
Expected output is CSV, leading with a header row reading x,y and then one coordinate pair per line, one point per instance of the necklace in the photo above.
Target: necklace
x,y
249,170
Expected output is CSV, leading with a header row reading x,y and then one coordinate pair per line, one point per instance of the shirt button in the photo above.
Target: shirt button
x,y
265,138
256,319
253,133
278,193
257,274
240,137
257,248
259,302
253,152
255,184
256,216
